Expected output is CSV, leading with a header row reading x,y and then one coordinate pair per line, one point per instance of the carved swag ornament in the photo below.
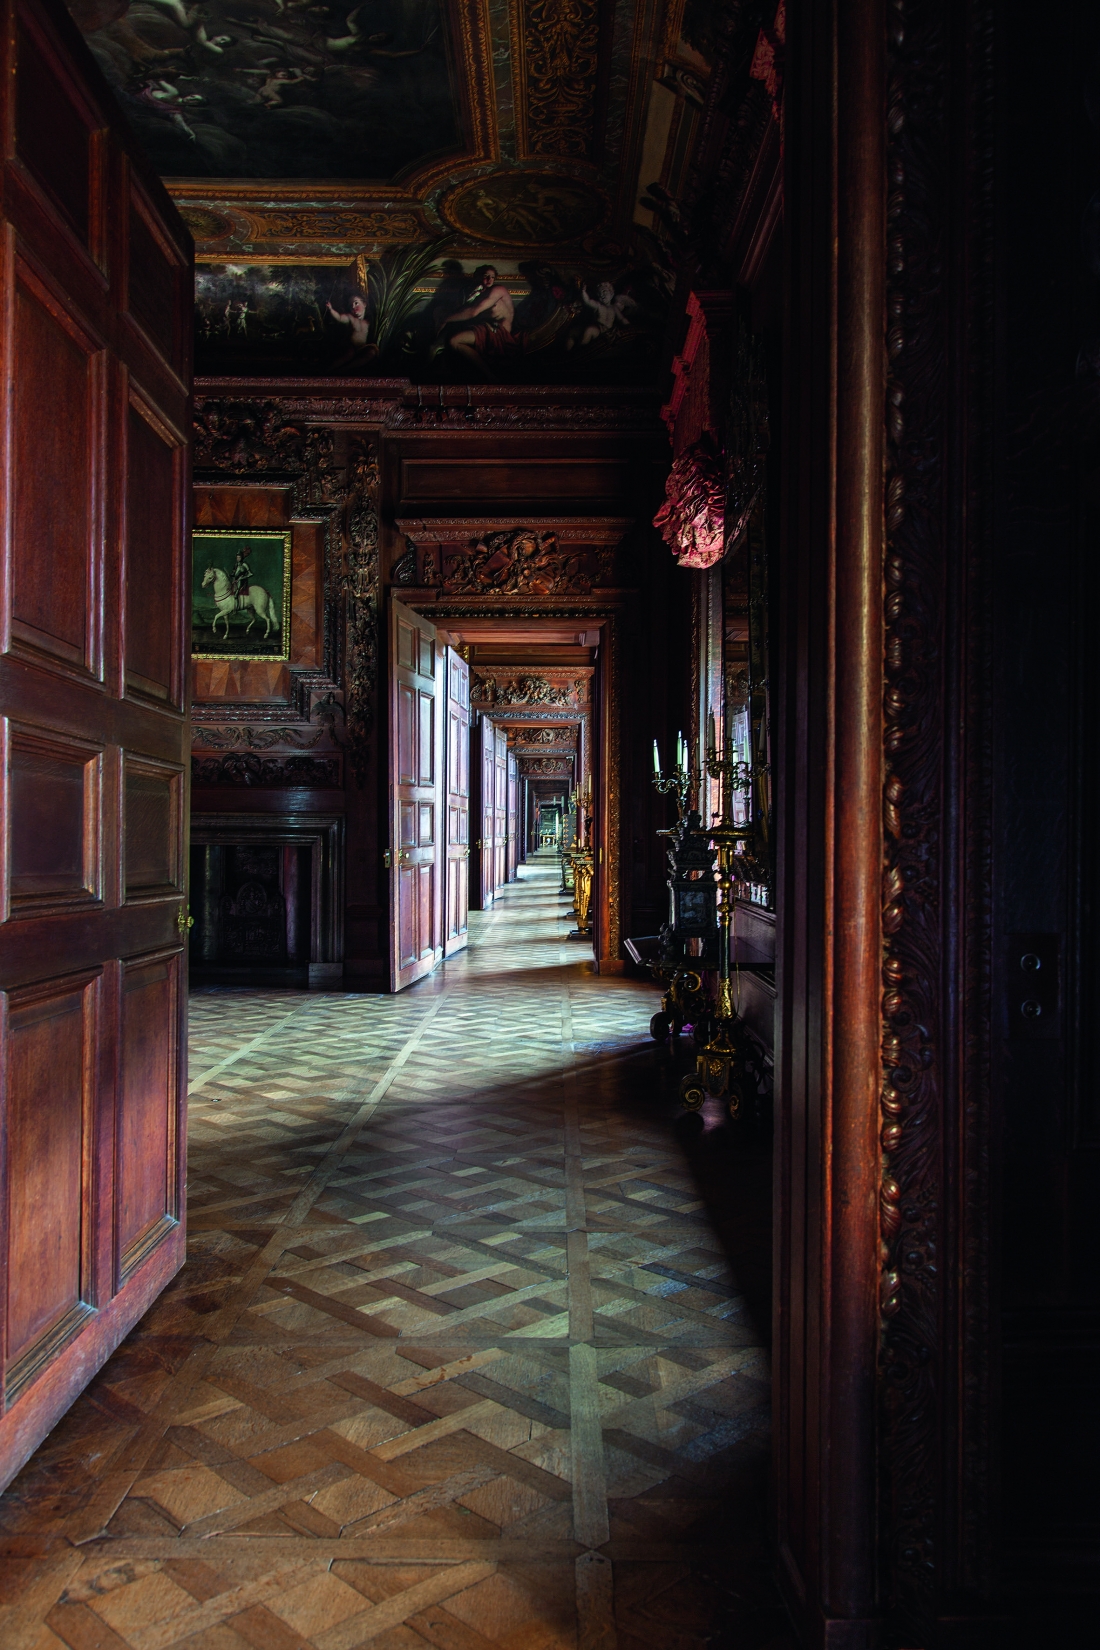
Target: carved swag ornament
x,y
247,768
521,561
525,690
541,736
547,766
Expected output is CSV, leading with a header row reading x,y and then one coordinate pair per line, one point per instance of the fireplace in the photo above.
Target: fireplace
x,y
266,899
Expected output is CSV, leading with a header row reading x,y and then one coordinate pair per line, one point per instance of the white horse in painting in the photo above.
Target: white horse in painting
x,y
255,597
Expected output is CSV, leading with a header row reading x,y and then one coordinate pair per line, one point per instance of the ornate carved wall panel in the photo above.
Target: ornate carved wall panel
x,y
504,688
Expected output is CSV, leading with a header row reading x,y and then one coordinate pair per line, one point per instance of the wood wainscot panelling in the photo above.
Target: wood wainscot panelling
x,y
753,938
523,485
97,279
442,473
753,952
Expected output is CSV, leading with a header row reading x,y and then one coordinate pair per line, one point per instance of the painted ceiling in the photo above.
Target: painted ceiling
x,y
315,131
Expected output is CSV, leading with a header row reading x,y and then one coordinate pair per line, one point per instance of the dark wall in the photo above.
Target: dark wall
x,y
1046,803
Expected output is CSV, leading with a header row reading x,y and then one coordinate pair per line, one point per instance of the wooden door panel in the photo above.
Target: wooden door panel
x,y
55,802
409,917
407,644
94,489
152,277
426,739
425,892
50,1045
405,771
147,1145
58,384
151,647
153,830
54,128
416,706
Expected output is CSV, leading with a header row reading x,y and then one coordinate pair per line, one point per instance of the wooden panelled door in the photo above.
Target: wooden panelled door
x,y
500,809
513,815
484,766
97,283
416,745
457,892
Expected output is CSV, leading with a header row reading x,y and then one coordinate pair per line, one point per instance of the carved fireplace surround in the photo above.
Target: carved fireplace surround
x,y
323,836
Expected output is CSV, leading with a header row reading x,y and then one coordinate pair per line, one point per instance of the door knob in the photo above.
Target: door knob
x,y
184,920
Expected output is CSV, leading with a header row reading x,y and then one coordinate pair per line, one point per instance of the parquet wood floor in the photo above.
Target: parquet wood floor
x,y
457,1358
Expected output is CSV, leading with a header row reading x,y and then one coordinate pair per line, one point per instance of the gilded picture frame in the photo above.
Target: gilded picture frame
x,y
240,593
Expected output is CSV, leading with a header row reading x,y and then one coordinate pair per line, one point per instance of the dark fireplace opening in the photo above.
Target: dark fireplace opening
x,y
251,902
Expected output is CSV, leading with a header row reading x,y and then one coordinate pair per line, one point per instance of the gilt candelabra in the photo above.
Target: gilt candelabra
x,y
582,862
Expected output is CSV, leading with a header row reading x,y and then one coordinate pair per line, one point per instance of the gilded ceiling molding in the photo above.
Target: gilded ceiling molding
x,y
560,46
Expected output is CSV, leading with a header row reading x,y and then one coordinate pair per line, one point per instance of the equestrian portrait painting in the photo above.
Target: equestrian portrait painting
x,y
240,594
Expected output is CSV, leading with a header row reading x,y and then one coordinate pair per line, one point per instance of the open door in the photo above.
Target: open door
x,y
483,766
500,809
513,815
94,734
457,893
416,725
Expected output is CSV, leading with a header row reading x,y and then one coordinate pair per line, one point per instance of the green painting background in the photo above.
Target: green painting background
x,y
266,554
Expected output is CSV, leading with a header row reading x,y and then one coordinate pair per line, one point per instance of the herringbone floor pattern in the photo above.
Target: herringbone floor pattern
x,y
456,1359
